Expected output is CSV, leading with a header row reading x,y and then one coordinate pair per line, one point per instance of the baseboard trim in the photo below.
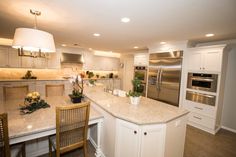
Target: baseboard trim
x,y
95,145
229,129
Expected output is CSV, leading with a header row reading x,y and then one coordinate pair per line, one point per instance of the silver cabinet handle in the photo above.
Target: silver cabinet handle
x,y
201,79
199,108
197,117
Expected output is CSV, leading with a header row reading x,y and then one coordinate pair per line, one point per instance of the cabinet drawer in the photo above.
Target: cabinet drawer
x,y
202,120
200,108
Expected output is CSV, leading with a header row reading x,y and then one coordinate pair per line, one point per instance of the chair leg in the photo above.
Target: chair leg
x,y
23,150
85,150
50,147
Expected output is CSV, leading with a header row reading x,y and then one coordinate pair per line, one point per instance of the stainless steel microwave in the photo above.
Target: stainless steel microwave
x,y
202,81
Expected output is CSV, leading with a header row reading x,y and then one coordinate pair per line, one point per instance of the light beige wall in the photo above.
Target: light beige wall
x,y
229,108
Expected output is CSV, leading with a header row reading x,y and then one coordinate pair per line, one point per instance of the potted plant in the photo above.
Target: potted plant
x,y
135,95
78,86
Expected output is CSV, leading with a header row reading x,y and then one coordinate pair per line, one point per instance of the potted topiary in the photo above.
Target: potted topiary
x,y
135,95
78,86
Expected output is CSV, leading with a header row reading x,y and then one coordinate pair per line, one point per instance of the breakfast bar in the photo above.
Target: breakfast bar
x,y
41,123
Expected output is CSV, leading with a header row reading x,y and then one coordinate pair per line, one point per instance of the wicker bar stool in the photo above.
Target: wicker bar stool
x,y
55,90
71,129
5,149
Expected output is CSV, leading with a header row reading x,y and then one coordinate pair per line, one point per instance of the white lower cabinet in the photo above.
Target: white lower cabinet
x,y
139,141
127,139
154,140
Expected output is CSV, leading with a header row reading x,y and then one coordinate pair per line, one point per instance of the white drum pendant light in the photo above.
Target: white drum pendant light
x,y
32,39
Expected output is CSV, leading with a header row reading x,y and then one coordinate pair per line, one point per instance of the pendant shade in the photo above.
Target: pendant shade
x,y
33,40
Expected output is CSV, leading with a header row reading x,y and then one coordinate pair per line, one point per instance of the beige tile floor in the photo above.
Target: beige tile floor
x,y
198,144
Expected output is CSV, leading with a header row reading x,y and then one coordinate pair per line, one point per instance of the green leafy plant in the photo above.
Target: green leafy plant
x,y
136,86
92,82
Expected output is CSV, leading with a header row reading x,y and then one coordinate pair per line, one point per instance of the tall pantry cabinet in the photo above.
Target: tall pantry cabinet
x,y
205,60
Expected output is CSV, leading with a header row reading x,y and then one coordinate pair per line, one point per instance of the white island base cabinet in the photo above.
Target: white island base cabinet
x,y
157,140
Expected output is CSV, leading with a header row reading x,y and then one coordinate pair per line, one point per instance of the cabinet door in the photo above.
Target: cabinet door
x,y
212,61
3,57
54,61
127,140
14,59
195,61
27,62
40,63
153,141
141,60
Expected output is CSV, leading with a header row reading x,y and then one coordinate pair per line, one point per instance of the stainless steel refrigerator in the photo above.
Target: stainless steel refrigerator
x,y
164,76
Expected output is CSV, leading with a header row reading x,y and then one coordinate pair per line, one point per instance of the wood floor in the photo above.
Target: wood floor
x,y
202,144
198,144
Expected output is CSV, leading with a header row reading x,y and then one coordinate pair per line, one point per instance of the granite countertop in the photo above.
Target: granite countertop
x,y
49,79
147,112
38,121
31,80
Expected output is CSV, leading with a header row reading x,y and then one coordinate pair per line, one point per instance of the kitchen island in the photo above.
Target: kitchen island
x,y
117,128
151,129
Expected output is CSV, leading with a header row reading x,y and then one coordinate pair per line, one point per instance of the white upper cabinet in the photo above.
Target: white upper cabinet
x,y
53,62
195,61
9,58
3,57
13,59
27,62
212,61
93,62
40,63
141,59
205,60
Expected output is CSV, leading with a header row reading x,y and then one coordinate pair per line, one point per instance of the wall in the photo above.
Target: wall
x,y
229,108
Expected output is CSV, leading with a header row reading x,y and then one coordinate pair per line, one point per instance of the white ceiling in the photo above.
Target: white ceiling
x,y
75,21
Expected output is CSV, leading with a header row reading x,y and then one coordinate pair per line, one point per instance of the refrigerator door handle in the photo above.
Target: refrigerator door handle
x,y
158,76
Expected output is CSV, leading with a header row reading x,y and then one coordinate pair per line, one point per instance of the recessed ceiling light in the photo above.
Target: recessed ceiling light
x,y
96,34
125,20
135,47
90,49
64,45
209,35
162,43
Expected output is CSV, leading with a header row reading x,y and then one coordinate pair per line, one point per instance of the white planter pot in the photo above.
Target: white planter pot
x,y
135,100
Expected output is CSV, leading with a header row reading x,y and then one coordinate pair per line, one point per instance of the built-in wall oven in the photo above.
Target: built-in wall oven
x,y
202,82
140,72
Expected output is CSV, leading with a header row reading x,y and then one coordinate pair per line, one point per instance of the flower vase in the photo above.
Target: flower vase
x,y
134,100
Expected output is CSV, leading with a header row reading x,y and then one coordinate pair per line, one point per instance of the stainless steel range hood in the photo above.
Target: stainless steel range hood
x,y
71,58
